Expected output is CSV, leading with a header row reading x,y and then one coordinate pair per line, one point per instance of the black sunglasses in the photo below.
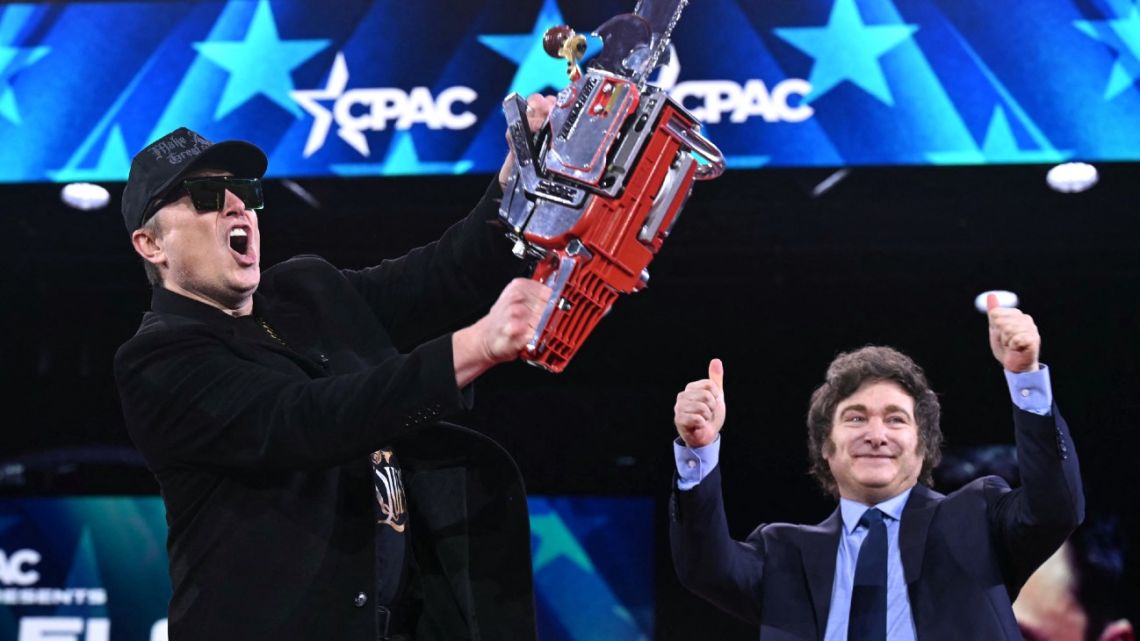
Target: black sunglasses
x,y
209,193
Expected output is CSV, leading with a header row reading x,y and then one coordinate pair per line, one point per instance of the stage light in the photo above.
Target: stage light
x,y
1072,177
1005,299
85,196
302,193
828,183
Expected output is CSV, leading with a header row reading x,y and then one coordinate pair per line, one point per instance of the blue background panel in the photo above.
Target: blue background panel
x,y
394,88
97,566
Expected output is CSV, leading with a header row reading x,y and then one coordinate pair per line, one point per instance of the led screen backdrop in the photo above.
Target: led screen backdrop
x,y
94,569
385,88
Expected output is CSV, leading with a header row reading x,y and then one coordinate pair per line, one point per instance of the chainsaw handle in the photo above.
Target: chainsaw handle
x,y
691,137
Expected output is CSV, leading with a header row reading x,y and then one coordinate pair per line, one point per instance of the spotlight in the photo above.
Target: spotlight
x,y
85,196
1004,298
1072,177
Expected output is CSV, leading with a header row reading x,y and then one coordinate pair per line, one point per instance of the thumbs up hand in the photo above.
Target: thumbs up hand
x,y
700,408
1014,339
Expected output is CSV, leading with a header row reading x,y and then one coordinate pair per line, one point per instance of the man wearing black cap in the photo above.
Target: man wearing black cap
x,y
272,408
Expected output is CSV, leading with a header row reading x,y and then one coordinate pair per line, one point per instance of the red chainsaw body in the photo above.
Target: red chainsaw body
x,y
594,194
609,229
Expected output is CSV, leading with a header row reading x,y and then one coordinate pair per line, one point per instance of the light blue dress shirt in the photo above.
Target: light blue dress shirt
x,y
900,623
1030,391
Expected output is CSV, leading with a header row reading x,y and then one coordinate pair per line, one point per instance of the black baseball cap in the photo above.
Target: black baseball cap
x,y
162,164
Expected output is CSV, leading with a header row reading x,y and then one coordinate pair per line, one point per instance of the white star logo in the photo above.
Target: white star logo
x,y
309,99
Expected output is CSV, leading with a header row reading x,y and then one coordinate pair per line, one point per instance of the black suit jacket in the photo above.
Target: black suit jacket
x,y
965,556
261,442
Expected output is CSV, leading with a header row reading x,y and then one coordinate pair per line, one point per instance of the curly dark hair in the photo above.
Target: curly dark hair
x,y
846,374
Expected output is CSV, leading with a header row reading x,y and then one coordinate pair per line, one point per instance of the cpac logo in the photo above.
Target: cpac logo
x,y
373,109
710,100
13,567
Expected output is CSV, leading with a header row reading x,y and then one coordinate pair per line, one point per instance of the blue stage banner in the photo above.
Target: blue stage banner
x,y
95,568
357,87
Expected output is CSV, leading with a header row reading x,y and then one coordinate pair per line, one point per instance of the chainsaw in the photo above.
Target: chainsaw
x,y
596,190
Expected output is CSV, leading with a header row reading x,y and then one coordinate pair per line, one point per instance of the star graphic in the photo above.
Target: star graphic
x,y
1123,35
322,117
262,63
1000,146
114,162
14,59
847,49
555,540
402,160
537,71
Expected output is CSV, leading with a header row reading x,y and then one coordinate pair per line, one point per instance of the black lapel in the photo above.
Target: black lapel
x,y
818,546
293,336
916,517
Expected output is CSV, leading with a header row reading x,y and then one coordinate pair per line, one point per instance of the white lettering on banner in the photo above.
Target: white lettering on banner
x,y
360,110
53,596
64,629
710,100
367,109
375,108
13,567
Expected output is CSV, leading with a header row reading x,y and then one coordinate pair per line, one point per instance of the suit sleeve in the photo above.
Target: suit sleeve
x,y
708,561
191,401
440,286
1032,521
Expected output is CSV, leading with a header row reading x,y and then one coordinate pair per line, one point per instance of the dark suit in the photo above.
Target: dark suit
x,y
965,556
261,440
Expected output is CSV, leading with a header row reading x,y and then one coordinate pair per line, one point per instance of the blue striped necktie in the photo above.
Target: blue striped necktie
x,y
868,619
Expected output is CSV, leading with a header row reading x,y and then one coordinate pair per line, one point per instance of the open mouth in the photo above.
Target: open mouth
x,y
239,240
